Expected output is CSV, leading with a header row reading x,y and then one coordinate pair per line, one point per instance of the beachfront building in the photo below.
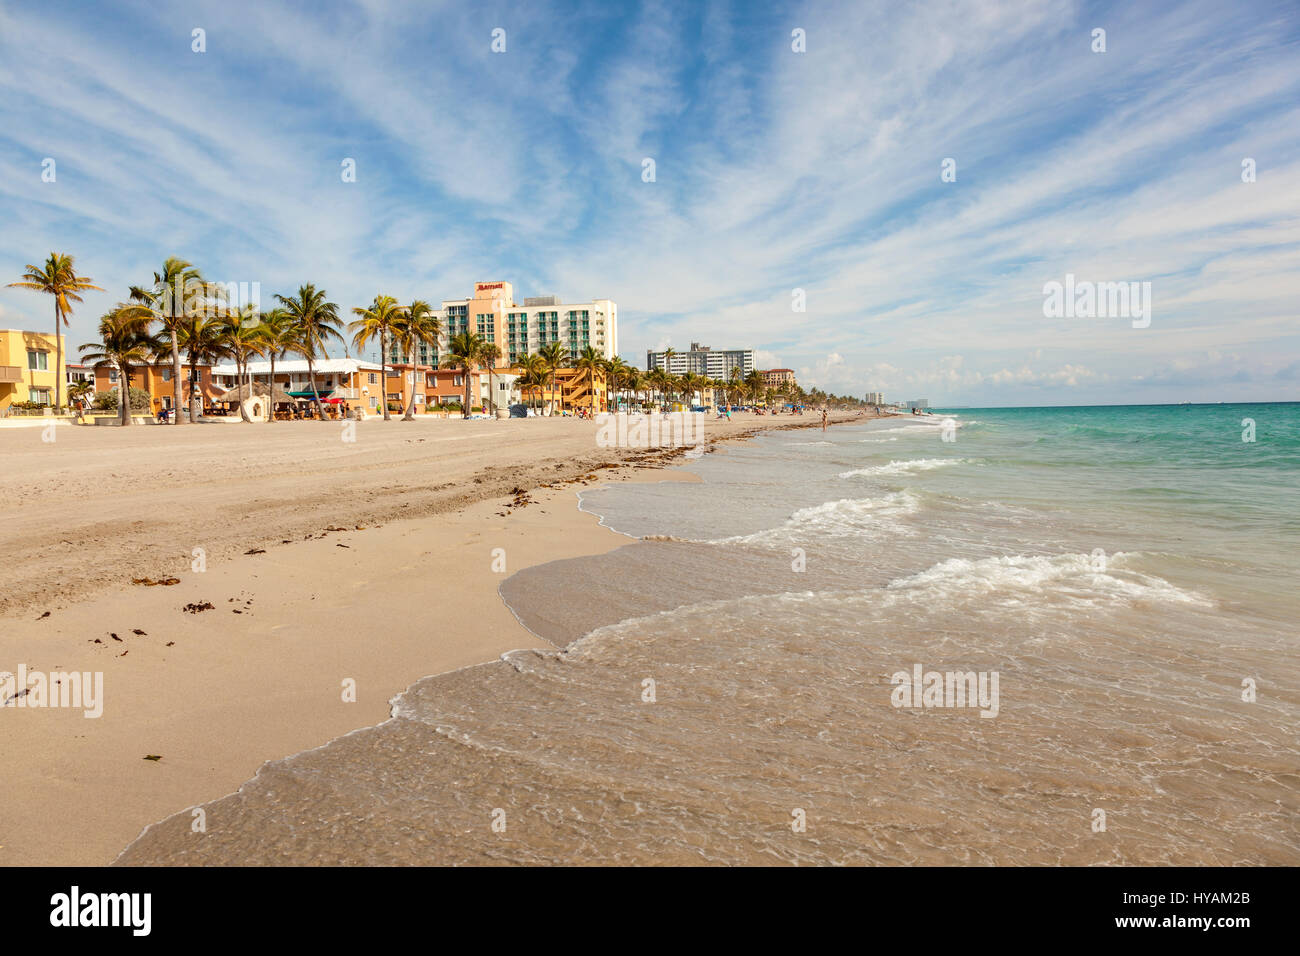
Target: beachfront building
x,y
76,374
777,377
443,386
156,379
493,314
28,368
575,389
875,398
337,380
702,360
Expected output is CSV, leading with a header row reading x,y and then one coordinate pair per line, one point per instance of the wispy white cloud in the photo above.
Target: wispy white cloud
x,y
775,170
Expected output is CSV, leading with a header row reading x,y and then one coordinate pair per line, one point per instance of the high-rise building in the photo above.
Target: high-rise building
x,y
517,329
875,398
702,360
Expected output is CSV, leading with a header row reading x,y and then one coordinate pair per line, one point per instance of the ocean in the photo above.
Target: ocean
x,y
984,636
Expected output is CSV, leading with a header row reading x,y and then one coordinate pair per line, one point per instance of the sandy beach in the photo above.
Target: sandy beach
x,y
327,565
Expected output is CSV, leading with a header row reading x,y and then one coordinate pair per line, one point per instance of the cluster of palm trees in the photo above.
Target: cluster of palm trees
x,y
180,316
659,387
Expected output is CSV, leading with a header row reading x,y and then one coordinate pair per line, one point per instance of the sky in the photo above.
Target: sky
x,y
798,205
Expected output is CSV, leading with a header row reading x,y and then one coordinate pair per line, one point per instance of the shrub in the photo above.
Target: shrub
x,y
109,401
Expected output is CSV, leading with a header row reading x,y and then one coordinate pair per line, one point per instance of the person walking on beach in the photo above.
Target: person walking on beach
x,y
823,418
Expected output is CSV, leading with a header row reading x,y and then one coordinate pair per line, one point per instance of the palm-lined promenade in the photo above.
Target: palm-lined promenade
x,y
181,323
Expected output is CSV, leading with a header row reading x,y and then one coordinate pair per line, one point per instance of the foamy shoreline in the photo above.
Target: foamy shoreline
x,y
219,692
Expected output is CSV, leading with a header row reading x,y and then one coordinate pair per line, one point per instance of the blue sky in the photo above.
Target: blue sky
x,y
774,171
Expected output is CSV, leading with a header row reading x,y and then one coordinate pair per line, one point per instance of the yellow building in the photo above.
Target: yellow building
x,y
574,389
28,368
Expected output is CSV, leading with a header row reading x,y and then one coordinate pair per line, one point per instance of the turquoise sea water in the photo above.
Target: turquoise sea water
x,y
1128,573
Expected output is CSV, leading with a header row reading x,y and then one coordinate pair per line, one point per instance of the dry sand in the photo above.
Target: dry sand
x,y
411,592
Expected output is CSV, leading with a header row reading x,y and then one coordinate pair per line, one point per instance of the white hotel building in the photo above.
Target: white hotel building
x,y
518,329
702,360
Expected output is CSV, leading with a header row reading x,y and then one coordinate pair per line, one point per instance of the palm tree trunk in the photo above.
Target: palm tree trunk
x,y
383,374
241,366
124,391
270,399
176,378
465,410
409,414
315,395
58,355
194,384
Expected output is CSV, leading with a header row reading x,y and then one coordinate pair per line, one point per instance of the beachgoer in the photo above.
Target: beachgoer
x,y
823,418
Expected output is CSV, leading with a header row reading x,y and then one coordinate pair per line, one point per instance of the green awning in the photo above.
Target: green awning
x,y
309,394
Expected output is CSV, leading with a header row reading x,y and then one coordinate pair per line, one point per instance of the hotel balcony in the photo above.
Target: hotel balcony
x,y
10,374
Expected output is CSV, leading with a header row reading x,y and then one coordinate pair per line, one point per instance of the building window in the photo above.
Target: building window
x,y
372,378
38,361
112,375
41,396
166,375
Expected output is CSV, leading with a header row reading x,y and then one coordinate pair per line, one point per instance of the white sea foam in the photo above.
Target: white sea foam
x,y
902,467
927,427
1033,578
845,517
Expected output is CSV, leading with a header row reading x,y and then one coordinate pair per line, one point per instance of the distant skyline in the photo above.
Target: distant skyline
x,y
778,175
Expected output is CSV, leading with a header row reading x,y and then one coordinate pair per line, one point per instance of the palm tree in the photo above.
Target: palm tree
x,y
315,321
376,322
78,392
278,335
656,380
177,299
488,355
589,363
463,353
554,357
532,374
416,325
124,341
57,277
635,382
203,343
617,374
691,383
243,340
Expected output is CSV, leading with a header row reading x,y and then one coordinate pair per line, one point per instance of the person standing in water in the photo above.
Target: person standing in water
x,y
823,418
